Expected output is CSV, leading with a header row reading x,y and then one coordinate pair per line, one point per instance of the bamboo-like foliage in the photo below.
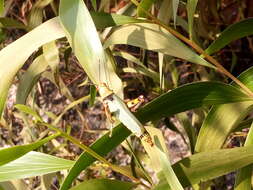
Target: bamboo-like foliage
x,y
92,37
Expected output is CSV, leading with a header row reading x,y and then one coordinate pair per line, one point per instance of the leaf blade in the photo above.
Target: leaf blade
x,y
33,164
159,40
233,32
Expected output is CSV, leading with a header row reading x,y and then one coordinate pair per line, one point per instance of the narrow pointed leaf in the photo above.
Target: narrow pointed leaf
x,y
222,120
9,154
165,11
191,8
33,164
195,95
30,78
159,158
208,165
25,46
152,37
1,7
233,32
84,40
103,20
51,55
28,110
82,36
175,4
146,5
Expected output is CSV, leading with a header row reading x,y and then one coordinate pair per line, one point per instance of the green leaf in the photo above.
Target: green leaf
x,y
51,54
160,158
93,94
219,123
36,14
139,67
14,185
22,49
222,120
194,95
175,4
9,154
84,40
46,32
103,20
94,4
33,164
189,129
208,165
146,5
104,184
233,32
165,11
1,7
28,110
152,37
102,146
191,8
6,22
30,78
70,106
82,36
243,177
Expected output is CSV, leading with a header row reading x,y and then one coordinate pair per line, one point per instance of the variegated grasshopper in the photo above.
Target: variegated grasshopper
x,y
116,106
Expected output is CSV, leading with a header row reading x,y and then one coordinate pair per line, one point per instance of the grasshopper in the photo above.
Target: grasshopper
x,y
116,106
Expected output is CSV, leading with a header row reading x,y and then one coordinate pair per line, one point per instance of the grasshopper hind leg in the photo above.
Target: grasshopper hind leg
x,y
109,117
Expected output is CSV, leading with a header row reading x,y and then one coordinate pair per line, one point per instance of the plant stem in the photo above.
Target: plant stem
x,y
91,152
197,48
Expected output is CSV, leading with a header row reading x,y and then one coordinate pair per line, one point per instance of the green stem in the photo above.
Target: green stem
x,y
90,151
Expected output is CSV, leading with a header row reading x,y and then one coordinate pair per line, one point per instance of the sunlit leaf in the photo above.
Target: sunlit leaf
x,y
9,154
30,78
222,120
243,177
160,158
208,165
25,46
51,55
152,37
33,164
84,40
28,110
46,32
